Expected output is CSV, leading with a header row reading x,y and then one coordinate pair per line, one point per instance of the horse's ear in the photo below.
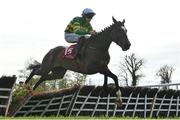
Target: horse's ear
x,y
123,21
114,20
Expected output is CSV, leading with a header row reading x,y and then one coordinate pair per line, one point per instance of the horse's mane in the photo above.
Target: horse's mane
x,y
103,31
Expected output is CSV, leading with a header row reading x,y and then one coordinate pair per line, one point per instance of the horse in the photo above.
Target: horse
x,y
94,57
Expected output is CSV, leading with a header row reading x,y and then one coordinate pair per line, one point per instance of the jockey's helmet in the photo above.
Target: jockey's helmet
x,y
88,13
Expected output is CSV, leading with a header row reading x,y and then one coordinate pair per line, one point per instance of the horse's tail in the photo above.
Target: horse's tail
x,y
34,65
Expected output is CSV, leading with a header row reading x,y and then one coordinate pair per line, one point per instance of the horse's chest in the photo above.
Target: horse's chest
x,y
96,62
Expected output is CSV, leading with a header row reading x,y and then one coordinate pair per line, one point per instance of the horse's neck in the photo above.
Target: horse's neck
x,y
101,41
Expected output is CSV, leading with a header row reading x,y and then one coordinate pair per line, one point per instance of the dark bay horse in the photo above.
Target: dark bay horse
x,y
94,57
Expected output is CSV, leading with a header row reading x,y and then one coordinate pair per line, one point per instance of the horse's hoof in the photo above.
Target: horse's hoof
x,y
118,103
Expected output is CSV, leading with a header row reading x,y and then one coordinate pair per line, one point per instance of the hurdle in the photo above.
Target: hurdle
x,y
6,88
143,101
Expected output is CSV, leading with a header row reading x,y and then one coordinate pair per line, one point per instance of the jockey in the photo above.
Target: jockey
x,y
80,28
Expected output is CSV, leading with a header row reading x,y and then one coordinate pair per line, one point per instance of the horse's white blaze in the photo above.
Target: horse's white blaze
x,y
125,30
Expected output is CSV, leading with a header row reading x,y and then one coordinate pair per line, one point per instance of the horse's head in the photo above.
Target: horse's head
x,y
120,34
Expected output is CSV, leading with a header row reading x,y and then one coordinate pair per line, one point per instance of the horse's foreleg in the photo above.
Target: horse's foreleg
x,y
118,91
105,81
105,86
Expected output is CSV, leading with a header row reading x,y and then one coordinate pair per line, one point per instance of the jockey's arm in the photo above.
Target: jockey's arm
x,y
93,32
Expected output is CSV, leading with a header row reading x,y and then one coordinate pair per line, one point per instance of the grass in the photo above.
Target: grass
x,y
82,118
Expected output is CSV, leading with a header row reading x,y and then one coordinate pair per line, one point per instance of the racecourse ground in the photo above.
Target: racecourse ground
x,y
83,118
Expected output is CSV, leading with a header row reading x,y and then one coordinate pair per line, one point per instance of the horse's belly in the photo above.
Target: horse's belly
x,y
94,68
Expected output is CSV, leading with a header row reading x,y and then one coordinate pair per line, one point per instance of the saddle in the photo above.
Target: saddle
x,y
74,50
70,52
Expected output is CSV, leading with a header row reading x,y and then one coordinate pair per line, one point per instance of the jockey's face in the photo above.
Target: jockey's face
x,y
88,17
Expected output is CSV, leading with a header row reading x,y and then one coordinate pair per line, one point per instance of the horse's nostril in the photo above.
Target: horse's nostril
x,y
127,45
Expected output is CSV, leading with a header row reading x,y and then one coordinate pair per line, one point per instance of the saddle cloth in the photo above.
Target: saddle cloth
x,y
70,52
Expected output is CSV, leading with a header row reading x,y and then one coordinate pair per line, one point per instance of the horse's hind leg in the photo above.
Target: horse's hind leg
x,y
30,76
39,82
33,72
48,77
56,74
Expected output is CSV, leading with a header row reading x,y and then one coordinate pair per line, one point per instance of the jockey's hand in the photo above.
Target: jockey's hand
x,y
87,36
93,32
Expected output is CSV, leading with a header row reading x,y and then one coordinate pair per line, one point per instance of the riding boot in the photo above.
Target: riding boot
x,y
79,45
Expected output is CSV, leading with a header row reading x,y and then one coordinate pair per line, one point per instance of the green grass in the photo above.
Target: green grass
x,y
81,118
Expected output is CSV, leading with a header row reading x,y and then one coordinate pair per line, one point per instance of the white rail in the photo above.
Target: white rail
x,y
6,93
168,86
146,101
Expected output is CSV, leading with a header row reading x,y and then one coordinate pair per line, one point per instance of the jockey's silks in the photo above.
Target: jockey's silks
x,y
79,26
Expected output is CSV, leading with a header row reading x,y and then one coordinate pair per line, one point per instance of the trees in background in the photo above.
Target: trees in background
x,y
165,73
71,78
131,68
123,76
77,78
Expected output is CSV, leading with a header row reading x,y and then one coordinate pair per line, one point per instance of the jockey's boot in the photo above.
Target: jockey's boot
x,y
79,45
